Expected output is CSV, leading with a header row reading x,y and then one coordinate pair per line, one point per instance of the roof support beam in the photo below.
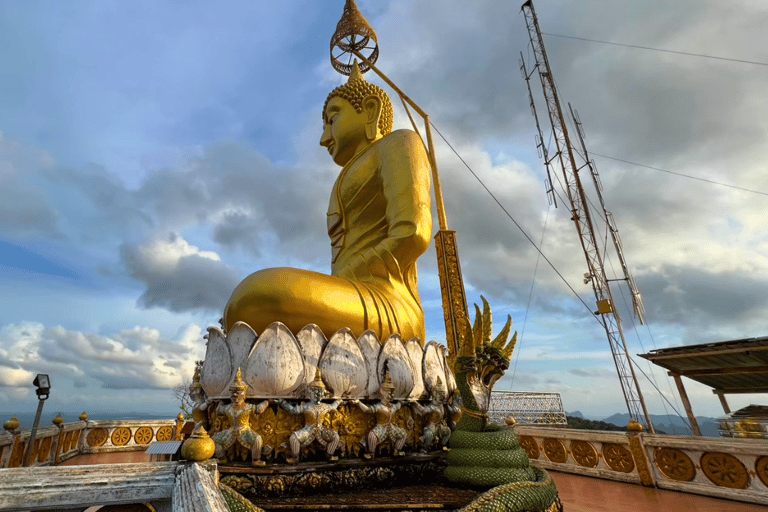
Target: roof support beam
x,y
723,402
686,403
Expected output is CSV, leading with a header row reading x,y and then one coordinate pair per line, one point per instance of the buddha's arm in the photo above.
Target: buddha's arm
x,y
405,176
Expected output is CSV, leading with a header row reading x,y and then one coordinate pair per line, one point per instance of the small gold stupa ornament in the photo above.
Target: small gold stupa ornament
x,y
199,446
353,34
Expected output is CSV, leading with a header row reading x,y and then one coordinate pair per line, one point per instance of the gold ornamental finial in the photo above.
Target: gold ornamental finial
x,y
238,384
353,34
12,424
387,385
318,382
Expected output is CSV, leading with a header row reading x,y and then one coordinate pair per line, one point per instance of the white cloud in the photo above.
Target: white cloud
x,y
139,358
179,276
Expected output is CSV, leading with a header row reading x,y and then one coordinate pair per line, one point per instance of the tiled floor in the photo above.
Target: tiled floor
x,y
586,494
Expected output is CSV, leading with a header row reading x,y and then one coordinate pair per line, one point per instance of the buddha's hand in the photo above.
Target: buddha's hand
x,y
372,264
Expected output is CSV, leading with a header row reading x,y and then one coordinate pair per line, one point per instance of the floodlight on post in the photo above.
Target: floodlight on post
x,y
43,385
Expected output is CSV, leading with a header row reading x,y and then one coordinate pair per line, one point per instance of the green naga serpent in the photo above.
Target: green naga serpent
x,y
484,454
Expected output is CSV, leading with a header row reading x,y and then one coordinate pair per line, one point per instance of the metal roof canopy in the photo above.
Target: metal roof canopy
x,y
736,366
164,448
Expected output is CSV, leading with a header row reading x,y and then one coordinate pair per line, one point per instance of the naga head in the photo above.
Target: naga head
x,y
481,362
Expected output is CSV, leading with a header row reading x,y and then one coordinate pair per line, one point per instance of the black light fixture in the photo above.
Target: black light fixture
x,y
43,384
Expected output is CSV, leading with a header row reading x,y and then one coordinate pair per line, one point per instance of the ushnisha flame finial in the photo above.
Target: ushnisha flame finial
x,y
353,34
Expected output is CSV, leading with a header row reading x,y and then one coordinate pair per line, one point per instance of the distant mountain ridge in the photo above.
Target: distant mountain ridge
x,y
26,420
671,425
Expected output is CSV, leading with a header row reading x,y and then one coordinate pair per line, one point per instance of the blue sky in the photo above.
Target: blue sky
x,y
153,154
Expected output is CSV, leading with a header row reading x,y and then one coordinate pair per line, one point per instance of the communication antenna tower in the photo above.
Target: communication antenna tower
x,y
581,216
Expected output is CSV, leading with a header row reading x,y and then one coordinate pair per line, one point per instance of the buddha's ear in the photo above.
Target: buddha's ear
x,y
372,110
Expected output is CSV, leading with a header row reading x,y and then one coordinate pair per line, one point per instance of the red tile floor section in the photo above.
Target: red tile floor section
x,y
587,494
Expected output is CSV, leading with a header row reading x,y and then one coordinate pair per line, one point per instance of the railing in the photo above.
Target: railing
x,y
734,469
60,442
527,407
180,487
52,445
124,436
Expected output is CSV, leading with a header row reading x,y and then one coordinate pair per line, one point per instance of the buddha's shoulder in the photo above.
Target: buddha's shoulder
x,y
405,139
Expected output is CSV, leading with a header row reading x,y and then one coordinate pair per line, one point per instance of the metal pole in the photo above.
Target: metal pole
x,y
31,442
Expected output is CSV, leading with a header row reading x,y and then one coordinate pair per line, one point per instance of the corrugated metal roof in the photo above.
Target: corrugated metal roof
x,y
736,366
164,448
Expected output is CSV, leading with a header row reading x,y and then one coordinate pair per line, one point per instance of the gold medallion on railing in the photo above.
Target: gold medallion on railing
x,y
725,470
74,439
97,437
584,453
530,446
45,450
164,433
121,436
65,442
675,464
761,468
555,450
143,435
618,457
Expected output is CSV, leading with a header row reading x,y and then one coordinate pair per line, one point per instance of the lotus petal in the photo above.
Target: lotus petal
x,y
433,368
240,339
312,342
398,363
343,366
449,377
416,355
370,347
217,369
275,366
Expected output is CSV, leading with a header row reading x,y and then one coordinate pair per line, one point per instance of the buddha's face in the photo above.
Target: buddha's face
x,y
344,130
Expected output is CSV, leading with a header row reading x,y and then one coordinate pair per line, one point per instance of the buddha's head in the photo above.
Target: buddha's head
x,y
354,115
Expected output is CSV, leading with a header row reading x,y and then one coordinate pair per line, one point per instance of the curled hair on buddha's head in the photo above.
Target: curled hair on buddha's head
x,y
356,90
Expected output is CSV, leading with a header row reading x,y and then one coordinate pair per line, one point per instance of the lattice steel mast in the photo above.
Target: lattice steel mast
x,y
582,218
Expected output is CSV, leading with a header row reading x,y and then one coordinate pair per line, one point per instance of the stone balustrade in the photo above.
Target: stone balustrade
x,y
159,486
735,469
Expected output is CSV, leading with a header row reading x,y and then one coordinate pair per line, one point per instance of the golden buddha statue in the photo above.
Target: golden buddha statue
x,y
379,222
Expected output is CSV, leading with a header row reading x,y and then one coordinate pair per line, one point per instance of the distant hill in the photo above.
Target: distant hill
x,y
672,424
584,424
26,420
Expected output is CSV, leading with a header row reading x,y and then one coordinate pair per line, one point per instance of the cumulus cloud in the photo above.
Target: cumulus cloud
x,y
139,358
179,276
